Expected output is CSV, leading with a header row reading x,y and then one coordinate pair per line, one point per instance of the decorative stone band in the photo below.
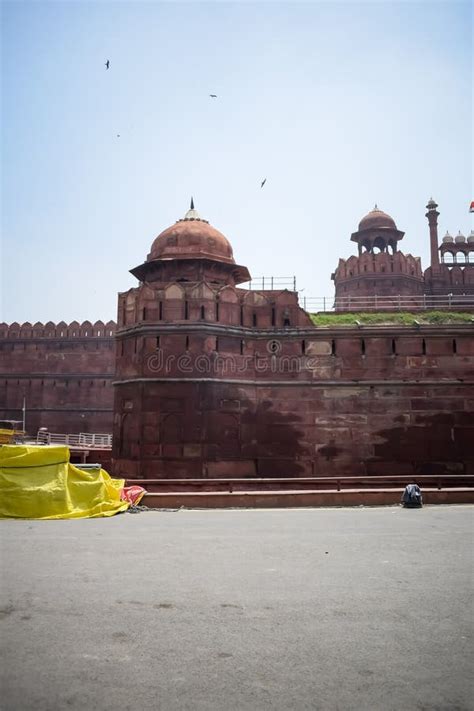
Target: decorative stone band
x,y
295,383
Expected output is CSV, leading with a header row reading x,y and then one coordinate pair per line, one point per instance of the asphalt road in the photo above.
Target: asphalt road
x,y
247,610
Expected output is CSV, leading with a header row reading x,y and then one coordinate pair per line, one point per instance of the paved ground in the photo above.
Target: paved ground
x,y
245,610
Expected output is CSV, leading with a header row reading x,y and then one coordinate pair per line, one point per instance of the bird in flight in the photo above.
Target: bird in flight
x,y
263,182
107,64
213,96
118,135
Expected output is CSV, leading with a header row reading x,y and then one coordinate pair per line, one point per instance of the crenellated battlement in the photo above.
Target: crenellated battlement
x,y
62,372
381,263
61,330
202,301
383,274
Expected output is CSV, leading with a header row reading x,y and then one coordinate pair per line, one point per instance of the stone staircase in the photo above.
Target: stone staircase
x,y
302,492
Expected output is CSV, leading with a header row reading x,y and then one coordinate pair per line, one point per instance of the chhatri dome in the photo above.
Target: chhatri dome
x,y
377,219
192,237
377,230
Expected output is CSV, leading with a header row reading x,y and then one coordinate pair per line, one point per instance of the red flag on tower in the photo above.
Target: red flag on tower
x,y
471,209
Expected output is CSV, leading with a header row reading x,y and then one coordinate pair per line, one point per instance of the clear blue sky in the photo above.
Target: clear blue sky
x,y
338,105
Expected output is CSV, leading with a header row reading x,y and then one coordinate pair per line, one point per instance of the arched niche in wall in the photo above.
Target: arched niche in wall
x,y
366,263
413,267
340,272
457,276
174,291
201,291
61,329
86,328
469,275
14,330
26,330
98,329
74,329
49,329
383,263
254,298
352,266
228,294
110,328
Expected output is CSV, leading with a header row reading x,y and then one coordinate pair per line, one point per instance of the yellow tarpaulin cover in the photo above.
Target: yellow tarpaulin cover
x,y
40,482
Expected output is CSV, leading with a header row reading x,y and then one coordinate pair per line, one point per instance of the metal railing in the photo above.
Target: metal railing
x,y
339,483
81,440
270,283
423,302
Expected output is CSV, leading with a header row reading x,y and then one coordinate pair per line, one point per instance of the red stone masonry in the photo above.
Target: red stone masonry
x,y
217,381
301,402
64,371
381,274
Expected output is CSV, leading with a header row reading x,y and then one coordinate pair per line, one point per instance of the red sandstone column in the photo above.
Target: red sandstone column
x,y
432,216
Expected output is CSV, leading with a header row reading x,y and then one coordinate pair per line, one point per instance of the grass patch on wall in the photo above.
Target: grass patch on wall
x,y
402,318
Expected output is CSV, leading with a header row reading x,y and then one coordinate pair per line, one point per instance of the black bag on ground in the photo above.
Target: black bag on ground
x,y
412,497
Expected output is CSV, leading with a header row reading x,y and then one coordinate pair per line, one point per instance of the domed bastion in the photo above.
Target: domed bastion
x,y
203,376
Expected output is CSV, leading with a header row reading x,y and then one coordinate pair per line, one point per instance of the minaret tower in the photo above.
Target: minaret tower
x,y
432,216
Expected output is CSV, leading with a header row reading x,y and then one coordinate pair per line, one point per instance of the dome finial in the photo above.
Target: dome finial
x,y
192,213
375,207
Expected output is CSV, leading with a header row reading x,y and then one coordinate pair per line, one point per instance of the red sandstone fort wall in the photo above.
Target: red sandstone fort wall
x,y
64,372
205,379
304,402
214,400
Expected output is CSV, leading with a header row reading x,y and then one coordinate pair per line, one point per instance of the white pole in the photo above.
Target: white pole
x,y
24,413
